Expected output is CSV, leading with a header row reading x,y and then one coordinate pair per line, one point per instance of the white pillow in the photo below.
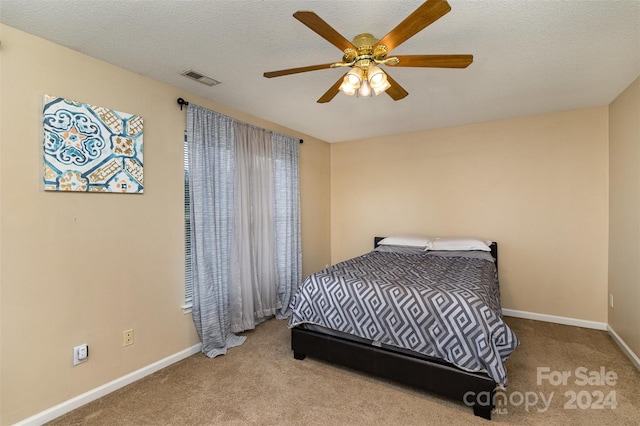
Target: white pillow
x,y
458,244
406,240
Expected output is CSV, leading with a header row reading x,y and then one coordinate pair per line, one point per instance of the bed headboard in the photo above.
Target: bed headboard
x,y
493,246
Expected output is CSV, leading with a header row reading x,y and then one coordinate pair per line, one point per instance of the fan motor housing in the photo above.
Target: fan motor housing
x,y
367,49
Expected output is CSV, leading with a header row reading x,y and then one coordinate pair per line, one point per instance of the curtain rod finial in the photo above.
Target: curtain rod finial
x,y
182,102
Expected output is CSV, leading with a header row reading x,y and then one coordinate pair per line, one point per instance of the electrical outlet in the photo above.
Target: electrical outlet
x,y
127,337
80,354
611,300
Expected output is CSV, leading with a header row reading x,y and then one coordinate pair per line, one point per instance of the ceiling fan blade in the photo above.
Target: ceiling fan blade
x,y
423,16
296,70
396,91
332,92
435,61
324,30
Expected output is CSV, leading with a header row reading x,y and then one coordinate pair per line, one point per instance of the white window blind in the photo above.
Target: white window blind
x,y
188,278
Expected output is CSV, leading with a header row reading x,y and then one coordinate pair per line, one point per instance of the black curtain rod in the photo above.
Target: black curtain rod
x,y
182,102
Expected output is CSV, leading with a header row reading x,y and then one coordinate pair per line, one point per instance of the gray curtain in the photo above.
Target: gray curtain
x,y
245,226
253,275
286,220
211,169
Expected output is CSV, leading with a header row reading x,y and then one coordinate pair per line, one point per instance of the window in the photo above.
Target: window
x,y
188,278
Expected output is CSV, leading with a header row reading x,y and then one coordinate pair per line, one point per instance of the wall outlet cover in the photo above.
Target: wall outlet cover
x,y
80,354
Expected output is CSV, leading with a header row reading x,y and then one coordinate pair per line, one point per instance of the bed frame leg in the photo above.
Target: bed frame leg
x,y
482,411
298,355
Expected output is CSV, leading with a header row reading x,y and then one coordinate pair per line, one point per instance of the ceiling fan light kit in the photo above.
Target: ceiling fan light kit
x,y
377,79
365,53
364,82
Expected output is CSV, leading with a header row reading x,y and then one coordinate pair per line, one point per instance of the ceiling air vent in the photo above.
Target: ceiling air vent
x,y
195,75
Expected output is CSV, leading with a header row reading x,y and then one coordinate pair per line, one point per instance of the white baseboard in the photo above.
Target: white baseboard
x,y
100,391
578,323
555,319
626,349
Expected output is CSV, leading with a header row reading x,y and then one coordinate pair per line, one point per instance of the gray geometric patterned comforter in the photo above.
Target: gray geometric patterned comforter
x,y
444,306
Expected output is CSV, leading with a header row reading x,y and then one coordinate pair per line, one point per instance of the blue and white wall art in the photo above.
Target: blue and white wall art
x,y
89,148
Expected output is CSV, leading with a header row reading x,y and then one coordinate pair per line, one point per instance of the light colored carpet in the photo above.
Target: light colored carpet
x,y
260,383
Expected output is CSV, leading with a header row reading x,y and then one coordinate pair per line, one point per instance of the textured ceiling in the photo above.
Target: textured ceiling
x,y
530,57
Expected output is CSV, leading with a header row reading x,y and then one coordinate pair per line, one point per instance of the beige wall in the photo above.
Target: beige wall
x,y
81,268
624,214
536,185
315,201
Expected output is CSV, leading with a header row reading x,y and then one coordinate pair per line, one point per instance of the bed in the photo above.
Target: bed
x,y
429,319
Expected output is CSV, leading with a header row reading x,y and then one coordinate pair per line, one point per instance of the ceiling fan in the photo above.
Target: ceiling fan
x,y
365,53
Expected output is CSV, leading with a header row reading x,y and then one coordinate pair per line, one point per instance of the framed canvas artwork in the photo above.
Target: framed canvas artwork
x,y
88,148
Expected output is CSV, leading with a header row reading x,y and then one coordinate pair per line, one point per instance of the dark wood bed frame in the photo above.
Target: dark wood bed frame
x,y
473,389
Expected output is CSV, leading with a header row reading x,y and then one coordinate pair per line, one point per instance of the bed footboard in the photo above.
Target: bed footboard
x,y
473,389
